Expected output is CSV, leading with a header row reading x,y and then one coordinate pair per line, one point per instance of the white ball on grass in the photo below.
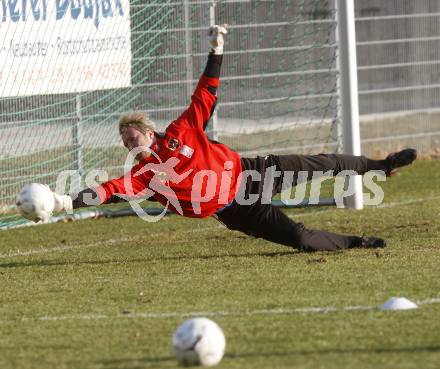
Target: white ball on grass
x,y
199,341
35,202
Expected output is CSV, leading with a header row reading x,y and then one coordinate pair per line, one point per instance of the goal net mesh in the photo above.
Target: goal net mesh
x,y
278,94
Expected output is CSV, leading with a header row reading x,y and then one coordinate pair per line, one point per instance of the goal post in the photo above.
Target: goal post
x,y
350,139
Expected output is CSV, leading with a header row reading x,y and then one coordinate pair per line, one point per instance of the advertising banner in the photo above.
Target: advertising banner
x,y
63,46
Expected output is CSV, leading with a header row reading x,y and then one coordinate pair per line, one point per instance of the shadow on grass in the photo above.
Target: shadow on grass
x,y
137,363
379,350
51,263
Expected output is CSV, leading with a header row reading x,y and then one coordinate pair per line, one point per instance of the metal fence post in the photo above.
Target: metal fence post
x,y
188,51
213,133
76,138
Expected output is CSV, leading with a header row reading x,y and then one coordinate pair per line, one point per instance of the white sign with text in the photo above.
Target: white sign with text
x,y
64,46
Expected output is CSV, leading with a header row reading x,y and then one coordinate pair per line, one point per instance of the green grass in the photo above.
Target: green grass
x,y
73,293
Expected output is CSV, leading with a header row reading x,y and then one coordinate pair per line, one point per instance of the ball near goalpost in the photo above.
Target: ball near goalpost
x,y
199,341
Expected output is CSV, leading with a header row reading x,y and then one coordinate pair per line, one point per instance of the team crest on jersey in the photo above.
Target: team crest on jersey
x,y
173,144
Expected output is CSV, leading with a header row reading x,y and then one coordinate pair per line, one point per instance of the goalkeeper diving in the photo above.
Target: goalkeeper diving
x,y
181,168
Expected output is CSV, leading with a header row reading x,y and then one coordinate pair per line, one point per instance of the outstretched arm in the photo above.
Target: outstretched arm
x,y
204,99
130,185
37,202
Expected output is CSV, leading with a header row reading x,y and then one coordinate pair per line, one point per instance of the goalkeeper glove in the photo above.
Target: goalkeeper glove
x,y
215,36
63,203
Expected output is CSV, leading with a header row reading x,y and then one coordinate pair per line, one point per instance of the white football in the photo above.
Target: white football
x,y
199,341
36,202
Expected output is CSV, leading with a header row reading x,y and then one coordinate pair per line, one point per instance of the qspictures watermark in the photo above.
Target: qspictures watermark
x,y
159,177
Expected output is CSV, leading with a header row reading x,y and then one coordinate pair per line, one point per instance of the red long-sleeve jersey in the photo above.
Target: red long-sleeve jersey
x,y
187,172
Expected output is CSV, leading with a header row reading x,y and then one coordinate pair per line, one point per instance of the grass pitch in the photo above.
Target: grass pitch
x,y
109,293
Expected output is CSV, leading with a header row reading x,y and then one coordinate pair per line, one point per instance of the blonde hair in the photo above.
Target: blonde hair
x,y
138,120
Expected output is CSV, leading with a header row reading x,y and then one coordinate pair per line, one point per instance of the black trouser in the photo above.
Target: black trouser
x,y
261,219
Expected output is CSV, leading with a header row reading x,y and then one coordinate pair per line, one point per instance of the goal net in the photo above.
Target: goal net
x,y
71,68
